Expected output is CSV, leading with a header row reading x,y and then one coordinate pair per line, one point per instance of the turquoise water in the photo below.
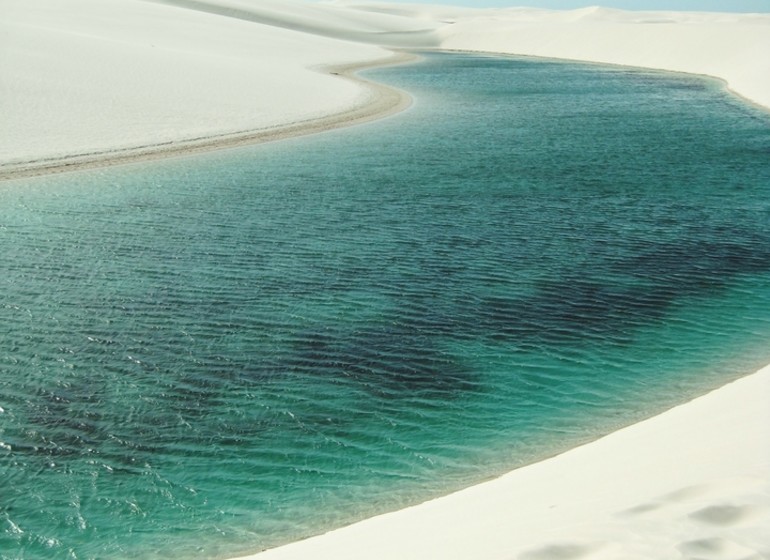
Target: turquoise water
x,y
207,356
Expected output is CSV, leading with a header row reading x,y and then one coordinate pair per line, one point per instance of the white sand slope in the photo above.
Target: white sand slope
x,y
692,483
89,78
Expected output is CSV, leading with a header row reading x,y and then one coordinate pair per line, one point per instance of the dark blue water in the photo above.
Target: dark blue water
x,y
208,356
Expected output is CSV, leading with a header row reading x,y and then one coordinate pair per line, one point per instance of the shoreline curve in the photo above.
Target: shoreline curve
x,y
686,479
379,101
727,86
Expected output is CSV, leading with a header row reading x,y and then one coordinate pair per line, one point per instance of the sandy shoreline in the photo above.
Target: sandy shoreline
x,y
731,47
378,101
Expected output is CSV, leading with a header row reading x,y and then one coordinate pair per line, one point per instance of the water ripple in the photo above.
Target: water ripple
x,y
205,357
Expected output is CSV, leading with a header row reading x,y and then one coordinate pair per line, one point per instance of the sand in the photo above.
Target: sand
x,y
86,82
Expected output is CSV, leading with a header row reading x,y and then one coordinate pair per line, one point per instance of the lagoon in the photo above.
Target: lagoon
x,y
211,355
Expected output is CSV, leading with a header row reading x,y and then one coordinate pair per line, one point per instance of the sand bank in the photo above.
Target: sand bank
x,y
87,81
375,101
693,482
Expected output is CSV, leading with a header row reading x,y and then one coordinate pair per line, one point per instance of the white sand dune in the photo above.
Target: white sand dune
x,y
94,80
381,28
91,79
97,80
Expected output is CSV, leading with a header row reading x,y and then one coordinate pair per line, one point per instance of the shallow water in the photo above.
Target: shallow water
x,y
208,356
